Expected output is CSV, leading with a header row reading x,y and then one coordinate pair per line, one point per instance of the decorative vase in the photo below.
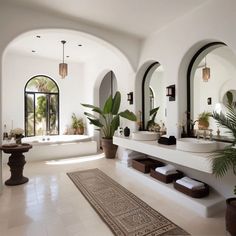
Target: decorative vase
x,y
126,132
18,138
109,148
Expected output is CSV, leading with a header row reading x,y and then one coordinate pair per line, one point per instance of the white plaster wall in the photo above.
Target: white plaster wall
x,y
18,69
174,47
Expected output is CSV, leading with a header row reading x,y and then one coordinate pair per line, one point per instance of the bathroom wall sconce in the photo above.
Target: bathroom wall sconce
x,y
130,97
209,101
170,92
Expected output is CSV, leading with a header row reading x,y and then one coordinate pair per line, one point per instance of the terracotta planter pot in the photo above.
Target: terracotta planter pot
x,y
80,130
230,217
109,148
203,124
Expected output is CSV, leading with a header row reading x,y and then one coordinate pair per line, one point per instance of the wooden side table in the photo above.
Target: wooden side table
x,y
16,162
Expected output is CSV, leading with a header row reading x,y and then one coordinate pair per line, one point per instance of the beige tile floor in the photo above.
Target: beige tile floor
x,y
50,204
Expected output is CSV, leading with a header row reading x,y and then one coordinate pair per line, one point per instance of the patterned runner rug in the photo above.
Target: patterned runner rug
x,y
122,211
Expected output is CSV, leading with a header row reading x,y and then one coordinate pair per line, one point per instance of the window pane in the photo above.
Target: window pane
x,y
30,124
30,103
29,112
53,116
41,84
40,114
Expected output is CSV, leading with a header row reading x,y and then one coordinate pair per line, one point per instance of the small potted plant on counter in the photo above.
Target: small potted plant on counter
x,y
203,120
108,120
77,124
225,160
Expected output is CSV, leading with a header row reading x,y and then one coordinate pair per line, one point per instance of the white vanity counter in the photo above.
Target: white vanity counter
x,y
198,161
207,206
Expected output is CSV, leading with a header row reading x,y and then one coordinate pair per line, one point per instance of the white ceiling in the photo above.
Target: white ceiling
x,y
137,17
49,45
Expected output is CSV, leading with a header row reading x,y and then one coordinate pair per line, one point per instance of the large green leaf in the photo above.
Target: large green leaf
x,y
89,106
95,122
116,103
154,110
108,106
128,115
223,161
90,115
98,110
115,124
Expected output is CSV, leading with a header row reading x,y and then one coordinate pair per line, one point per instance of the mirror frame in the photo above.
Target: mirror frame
x,y
153,67
189,74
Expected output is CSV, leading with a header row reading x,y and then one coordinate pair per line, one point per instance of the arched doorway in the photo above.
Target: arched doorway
x,y
108,87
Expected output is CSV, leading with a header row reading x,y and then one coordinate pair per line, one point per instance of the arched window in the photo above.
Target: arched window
x,y
41,106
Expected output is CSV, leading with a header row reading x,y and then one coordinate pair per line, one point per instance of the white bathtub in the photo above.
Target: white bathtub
x,y
57,146
45,140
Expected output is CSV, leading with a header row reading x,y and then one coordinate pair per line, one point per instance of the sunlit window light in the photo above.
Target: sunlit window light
x,y
75,160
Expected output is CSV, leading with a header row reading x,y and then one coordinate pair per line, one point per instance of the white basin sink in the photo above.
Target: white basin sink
x,y
144,135
196,145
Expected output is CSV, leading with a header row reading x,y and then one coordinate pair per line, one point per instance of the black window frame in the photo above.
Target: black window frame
x,y
48,95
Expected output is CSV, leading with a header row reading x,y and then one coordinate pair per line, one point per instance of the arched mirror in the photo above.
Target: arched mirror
x,y
153,97
211,74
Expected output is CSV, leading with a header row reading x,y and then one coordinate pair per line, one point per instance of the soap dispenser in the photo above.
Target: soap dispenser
x,y
126,132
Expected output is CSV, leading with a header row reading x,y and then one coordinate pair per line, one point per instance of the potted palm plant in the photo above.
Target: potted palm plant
x,y
108,120
225,160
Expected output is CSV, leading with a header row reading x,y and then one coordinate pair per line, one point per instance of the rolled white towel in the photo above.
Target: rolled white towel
x,y
190,183
166,170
